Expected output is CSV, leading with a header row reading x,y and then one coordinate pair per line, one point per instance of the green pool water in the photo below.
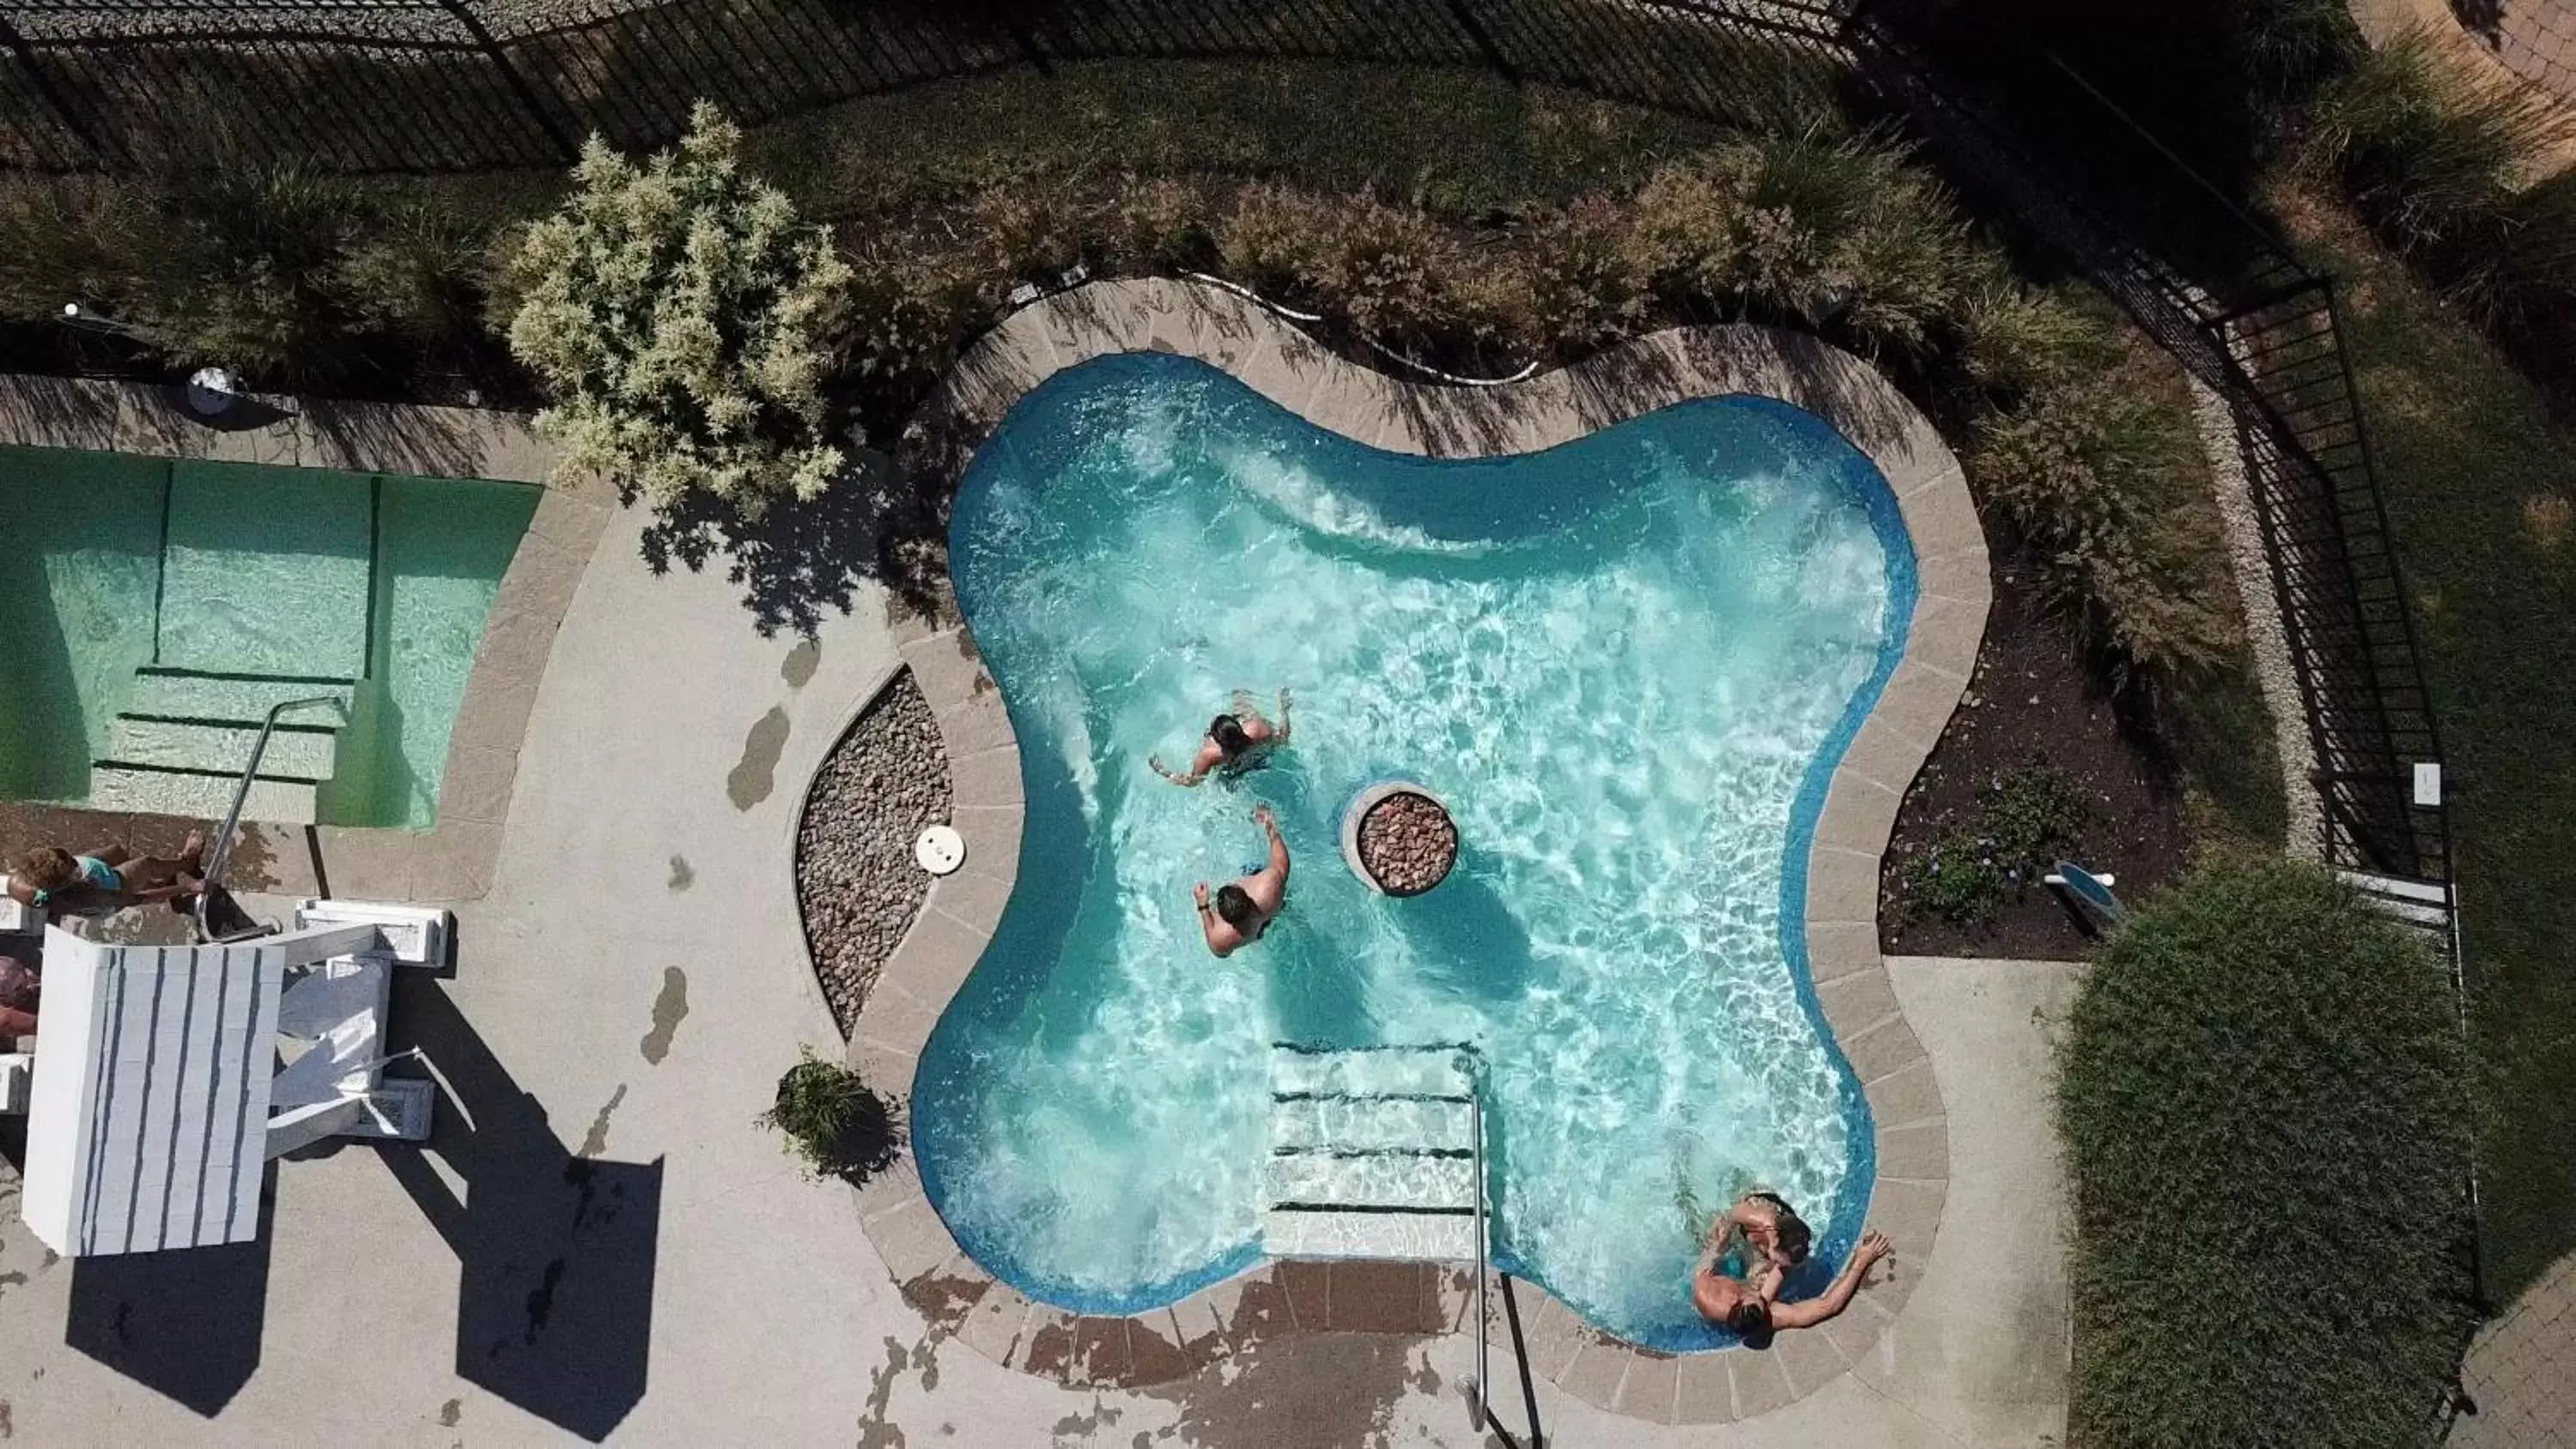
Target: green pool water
x,y
109,563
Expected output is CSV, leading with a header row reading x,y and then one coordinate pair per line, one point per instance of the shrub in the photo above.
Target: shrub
x,y
1578,280
2016,340
419,276
2431,161
1828,232
2266,1134
682,319
834,1122
1277,240
1162,225
1035,231
2085,472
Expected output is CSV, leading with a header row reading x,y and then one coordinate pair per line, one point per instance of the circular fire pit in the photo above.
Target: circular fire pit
x,y
1399,838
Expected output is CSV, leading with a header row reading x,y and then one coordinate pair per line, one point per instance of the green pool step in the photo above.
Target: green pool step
x,y
292,754
245,699
179,746
143,790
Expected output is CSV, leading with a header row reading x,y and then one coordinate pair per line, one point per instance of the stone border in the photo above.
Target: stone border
x,y
454,859
1848,975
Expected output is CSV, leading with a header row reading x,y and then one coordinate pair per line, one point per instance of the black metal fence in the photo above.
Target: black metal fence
x,y
476,85
471,85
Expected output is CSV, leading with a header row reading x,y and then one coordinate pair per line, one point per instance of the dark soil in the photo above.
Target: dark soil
x,y
2034,701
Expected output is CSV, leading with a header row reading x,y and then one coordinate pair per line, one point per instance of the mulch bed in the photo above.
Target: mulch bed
x,y
2034,700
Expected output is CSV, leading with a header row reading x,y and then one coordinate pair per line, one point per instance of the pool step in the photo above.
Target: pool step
x,y
143,790
179,746
241,699
1372,1154
294,753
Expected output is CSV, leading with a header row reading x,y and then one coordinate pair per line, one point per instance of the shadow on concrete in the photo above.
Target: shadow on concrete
x,y
186,1323
556,1250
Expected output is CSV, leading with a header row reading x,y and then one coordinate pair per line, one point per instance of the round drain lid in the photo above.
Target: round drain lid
x,y
940,849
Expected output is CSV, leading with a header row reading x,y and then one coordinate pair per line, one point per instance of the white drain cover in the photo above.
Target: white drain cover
x,y
940,849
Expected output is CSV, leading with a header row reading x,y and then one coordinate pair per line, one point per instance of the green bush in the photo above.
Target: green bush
x,y
2266,1134
2432,162
683,321
2087,472
418,276
834,1122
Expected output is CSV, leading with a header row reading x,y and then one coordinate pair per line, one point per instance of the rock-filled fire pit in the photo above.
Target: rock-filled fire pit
x,y
1399,838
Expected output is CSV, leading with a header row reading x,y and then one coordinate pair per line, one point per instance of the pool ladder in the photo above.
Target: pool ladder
x,y
1337,1116
219,851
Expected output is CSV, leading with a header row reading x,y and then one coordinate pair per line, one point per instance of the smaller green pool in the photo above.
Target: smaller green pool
x,y
111,564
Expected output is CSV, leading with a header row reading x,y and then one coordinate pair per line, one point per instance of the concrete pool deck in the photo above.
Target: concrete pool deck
x,y
597,1243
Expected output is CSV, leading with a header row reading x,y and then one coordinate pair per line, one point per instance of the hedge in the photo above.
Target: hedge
x,y
2267,1136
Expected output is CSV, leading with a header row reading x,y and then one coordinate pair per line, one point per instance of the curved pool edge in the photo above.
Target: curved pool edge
x,y
1846,971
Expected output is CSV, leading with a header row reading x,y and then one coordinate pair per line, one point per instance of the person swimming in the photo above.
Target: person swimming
x,y
1237,740
1747,1259
1241,910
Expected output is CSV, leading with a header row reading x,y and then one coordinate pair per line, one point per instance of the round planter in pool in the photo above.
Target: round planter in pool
x,y
1398,838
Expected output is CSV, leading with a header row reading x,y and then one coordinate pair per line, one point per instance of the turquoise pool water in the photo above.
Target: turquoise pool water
x,y
110,562
1627,664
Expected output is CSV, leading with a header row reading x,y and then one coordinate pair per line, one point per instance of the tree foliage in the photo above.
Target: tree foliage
x,y
683,320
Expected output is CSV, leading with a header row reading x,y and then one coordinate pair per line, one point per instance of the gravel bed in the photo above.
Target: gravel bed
x,y
857,883
1408,843
2269,643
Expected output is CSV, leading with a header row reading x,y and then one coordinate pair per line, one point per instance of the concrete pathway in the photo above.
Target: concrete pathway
x,y
2521,1371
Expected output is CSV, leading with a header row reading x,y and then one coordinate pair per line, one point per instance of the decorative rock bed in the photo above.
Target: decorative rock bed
x,y
857,883
1399,838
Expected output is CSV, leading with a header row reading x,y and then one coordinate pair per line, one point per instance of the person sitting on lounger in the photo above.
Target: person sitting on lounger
x,y
1236,740
1747,1259
1243,909
106,880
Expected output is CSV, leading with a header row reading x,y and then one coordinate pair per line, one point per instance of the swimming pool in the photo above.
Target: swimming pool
x,y
1627,664
212,578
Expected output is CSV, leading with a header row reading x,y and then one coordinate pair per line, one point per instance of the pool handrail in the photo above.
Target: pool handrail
x,y
220,849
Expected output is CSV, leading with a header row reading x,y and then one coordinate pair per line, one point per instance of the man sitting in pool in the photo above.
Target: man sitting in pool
x,y
106,880
1773,1241
1245,908
1236,740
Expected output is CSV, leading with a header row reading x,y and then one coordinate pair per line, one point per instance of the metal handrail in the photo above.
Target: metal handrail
x,y
220,851
1476,1125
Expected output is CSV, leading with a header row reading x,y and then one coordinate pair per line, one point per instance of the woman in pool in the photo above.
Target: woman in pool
x,y
1237,740
1243,909
1748,1257
106,880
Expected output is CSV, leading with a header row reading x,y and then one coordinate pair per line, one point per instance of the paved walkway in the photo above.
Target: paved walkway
x,y
2521,1371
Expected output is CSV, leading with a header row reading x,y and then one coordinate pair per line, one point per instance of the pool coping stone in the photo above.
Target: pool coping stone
x,y
454,859
1847,972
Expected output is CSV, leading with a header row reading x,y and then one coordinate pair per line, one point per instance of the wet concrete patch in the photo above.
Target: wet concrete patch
x,y
798,670
1313,1391
450,1413
595,1141
756,774
682,874
669,1008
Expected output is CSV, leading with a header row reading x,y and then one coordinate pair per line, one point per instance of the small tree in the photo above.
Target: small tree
x,y
835,1122
683,319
